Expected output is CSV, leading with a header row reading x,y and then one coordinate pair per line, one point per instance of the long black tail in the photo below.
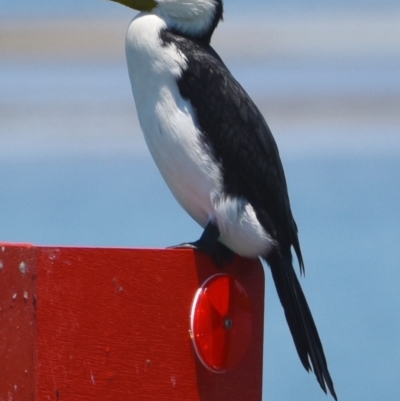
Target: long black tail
x,y
299,319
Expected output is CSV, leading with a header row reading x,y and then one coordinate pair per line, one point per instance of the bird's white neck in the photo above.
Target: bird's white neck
x,y
190,17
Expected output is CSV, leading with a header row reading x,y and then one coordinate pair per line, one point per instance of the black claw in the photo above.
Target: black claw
x,y
209,244
184,245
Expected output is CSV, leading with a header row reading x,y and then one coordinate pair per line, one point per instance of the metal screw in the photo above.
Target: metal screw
x,y
228,323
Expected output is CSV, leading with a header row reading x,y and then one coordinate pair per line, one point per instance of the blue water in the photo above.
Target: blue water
x,y
48,8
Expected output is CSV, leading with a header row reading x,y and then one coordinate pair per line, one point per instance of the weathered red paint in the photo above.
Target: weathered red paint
x,y
93,324
17,322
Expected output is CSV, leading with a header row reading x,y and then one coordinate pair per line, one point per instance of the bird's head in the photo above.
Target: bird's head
x,y
194,18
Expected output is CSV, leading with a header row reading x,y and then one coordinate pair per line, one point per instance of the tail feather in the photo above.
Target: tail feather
x,y
299,319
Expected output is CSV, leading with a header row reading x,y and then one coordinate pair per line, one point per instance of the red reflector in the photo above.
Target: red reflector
x,y
221,323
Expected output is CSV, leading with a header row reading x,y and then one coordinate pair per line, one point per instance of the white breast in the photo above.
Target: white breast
x,y
167,120
171,131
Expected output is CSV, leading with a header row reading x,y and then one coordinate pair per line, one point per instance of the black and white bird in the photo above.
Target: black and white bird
x,y
216,152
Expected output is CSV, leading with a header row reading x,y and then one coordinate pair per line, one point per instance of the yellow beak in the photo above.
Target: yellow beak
x,y
140,5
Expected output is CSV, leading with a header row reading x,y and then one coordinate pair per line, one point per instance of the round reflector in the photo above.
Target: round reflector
x,y
221,323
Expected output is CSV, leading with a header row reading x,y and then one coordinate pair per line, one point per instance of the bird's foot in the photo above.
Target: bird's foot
x,y
209,244
184,245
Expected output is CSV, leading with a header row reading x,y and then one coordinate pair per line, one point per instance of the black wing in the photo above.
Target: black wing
x,y
242,143
239,138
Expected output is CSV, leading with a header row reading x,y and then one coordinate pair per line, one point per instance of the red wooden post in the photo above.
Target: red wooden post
x,y
114,324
